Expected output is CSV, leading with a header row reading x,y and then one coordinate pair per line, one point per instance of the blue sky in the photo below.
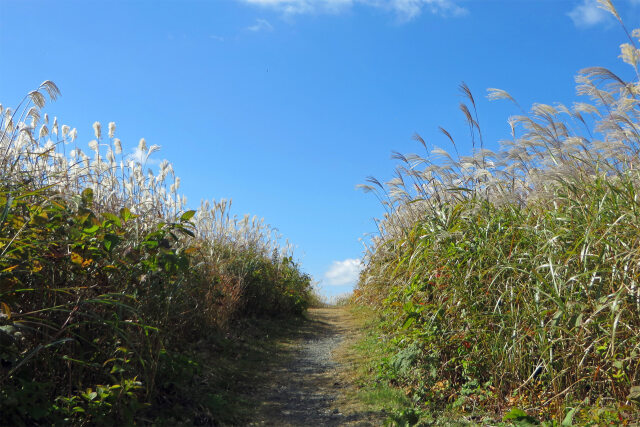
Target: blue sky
x,y
286,105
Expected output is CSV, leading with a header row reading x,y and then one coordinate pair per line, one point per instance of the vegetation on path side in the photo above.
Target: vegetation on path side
x,y
113,298
506,283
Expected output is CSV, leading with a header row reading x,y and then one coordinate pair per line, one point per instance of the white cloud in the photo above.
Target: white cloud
x,y
261,25
343,272
404,9
588,14
410,9
295,7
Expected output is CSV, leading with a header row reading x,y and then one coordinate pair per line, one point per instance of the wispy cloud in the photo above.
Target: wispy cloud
x,y
261,25
296,7
216,37
588,14
405,9
410,9
343,272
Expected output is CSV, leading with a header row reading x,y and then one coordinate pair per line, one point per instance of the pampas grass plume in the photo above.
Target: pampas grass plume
x,y
97,129
44,131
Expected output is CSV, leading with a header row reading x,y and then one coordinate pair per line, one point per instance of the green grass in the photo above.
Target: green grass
x,y
364,356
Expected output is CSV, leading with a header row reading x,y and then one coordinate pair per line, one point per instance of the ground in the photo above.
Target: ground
x,y
308,382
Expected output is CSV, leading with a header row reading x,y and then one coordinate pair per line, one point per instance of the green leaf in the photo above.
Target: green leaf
x,y
115,369
578,321
87,197
568,419
410,320
520,417
151,244
126,214
634,394
92,229
187,216
110,241
111,217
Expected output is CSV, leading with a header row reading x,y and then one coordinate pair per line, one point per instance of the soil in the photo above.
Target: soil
x,y
308,384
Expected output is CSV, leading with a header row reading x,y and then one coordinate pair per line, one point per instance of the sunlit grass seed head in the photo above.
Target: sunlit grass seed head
x,y
97,130
117,146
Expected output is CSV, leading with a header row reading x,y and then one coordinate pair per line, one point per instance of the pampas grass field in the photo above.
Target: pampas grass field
x,y
507,281
107,281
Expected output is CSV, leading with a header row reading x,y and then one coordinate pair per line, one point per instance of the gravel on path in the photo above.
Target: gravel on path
x,y
304,386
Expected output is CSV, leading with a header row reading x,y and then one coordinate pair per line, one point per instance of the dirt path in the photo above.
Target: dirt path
x,y
307,385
